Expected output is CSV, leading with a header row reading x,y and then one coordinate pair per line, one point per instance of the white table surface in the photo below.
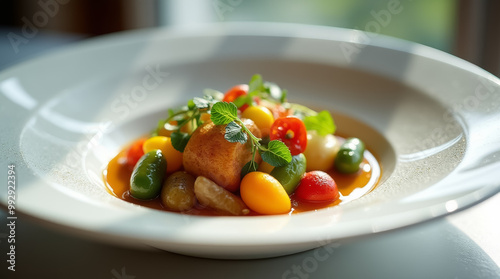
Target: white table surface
x,y
463,245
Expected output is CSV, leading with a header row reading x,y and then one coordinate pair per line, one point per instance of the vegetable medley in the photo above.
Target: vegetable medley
x,y
246,151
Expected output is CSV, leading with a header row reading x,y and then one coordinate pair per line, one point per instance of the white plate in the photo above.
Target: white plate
x,y
433,121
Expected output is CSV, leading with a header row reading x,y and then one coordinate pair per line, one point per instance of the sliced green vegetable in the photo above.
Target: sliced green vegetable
x,y
290,174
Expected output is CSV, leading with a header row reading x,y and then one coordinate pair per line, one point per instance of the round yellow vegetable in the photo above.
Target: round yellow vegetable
x,y
263,194
173,157
262,117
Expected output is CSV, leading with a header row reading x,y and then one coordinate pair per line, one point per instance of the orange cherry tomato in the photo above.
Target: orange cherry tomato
x,y
292,132
262,193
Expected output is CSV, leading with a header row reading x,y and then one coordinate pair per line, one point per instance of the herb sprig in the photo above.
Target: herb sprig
x,y
187,115
264,90
276,153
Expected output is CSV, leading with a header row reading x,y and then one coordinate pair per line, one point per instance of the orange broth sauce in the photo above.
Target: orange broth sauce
x,y
351,186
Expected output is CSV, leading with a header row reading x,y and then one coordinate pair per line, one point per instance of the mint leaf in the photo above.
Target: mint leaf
x,y
249,167
234,133
322,123
223,113
256,83
277,154
180,140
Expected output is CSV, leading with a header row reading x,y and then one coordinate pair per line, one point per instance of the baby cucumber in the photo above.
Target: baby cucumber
x,y
289,175
350,156
147,178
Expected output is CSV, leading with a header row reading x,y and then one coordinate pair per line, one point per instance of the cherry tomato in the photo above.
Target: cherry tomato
x,y
135,152
317,186
262,117
234,92
292,132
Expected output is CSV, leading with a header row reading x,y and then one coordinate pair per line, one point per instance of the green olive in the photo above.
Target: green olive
x,y
290,174
350,156
147,176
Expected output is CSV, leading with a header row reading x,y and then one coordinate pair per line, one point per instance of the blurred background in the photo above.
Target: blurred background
x,y
469,29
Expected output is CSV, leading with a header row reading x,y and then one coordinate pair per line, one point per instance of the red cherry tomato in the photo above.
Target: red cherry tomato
x,y
317,186
292,132
234,92
135,152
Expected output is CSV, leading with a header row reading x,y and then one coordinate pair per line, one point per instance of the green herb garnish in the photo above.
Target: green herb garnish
x,y
321,122
276,153
264,90
190,114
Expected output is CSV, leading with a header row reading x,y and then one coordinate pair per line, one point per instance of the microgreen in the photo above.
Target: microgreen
x,y
234,133
274,152
249,167
256,84
215,94
186,115
180,140
258,88
223,113
275,91
277,154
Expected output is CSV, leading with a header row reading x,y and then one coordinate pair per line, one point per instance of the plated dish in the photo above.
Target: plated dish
x,y
247,151
427,117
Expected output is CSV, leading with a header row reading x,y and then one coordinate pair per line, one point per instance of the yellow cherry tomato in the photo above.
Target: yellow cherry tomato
x,y
262,117
264,194
173,157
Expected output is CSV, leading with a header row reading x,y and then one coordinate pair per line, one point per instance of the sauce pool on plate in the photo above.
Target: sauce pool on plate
x,y
351,186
